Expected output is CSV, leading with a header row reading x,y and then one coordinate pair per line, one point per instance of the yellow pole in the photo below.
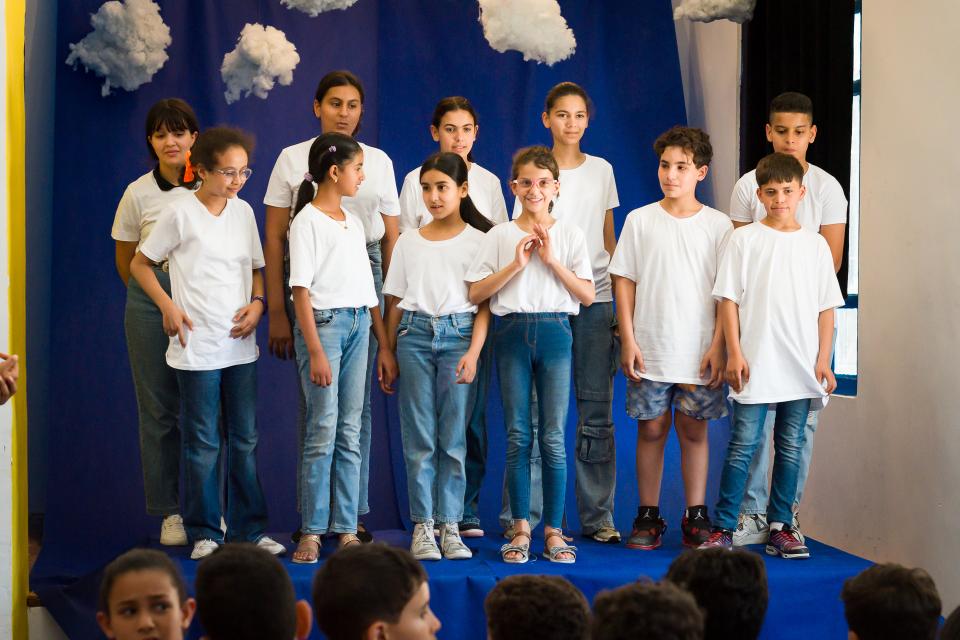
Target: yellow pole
x,y
15,21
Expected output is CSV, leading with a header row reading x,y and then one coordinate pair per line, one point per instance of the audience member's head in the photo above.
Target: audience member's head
x,y
646,610
244,592
522,607
891,601
373,591
729,585
143,593
951,628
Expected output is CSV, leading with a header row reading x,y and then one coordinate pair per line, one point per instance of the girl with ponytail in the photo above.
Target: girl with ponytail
x,y
438,335
336,306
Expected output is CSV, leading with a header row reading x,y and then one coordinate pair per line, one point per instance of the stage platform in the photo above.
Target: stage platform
x,y
804,594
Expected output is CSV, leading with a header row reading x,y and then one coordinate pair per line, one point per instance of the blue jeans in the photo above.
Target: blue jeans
x,y
328,494
158,398
476,461
746,431
534,350
594,364
432,409
366,424
758,495
206,395
536,476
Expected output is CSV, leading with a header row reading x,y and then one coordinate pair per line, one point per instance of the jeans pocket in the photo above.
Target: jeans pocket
x,y
464,331
403,328
322,317
595,445
565,325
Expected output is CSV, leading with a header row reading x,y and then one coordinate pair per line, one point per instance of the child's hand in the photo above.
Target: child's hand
x,y
631,361
246,320
737,372
174,319
546,256
525,249
466,369
9,372
713,362
320,372
823,372
386,369
280,342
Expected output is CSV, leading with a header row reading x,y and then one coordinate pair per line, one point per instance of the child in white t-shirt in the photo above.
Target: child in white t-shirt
x,y
672,349
536,272
336,306
439,337
777,291
213,248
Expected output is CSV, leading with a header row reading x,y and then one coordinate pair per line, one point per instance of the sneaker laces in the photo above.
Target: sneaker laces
x,y
451,537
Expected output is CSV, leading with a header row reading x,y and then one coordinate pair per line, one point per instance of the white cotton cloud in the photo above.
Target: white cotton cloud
x,y
535,28
313,8
127,46
709,10
263,56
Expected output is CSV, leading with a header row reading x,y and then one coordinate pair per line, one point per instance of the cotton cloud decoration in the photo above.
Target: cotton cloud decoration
x,y
313,8
709,10
127,46
535,28
262,57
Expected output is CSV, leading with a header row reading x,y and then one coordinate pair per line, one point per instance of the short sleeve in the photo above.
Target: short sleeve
x,y
395,284
486,262
165,237
626,256
517,208
256,248
578,259
743,201
834,203
410,199
611,197
729,283
278,191
389,200
303,251
724,231
498,205
830,294
126,224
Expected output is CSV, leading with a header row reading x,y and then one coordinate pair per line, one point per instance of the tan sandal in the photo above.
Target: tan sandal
x,y
522,549
348,540
308,549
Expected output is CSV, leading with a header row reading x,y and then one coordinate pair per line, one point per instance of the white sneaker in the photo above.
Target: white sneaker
x,y
752,528
451,544
271,545
423,546
172,533
796,528
203,548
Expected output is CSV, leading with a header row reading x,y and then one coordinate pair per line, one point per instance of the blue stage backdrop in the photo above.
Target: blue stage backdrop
x,y
409,54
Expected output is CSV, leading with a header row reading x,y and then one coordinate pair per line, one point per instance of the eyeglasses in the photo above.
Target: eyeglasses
x,y
527,183
233,174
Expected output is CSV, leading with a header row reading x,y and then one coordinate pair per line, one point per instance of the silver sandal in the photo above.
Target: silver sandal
x,y
522,549
553,553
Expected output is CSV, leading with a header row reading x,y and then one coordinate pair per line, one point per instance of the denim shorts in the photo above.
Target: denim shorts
x,y
649,399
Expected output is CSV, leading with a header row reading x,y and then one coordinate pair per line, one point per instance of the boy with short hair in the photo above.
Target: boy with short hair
x,y
891,601
822,210
522,607
244,592
777,291
373,591
647,611
671,345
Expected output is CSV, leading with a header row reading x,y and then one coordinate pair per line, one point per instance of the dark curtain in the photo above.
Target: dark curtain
x,y
805,46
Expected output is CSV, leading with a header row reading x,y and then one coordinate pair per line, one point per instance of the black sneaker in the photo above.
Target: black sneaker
x,y
695,526
648,530
363,535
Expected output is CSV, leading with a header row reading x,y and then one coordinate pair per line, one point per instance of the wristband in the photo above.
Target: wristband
x,y
262,301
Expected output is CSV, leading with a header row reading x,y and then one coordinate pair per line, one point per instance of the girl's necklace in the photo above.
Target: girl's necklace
x,y
342,223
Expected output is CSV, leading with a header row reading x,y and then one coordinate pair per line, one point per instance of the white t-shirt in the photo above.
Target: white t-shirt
x,y
586,193
212,259
485,192
140,207
536,289
329,258
673,262
823,203
377,194
781,282
428,275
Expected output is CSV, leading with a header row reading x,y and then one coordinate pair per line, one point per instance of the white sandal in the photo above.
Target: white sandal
x,y
552,553
522,549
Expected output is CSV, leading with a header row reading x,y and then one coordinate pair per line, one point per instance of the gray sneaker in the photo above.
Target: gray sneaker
x,y
423,546
451,544
752,528
796,528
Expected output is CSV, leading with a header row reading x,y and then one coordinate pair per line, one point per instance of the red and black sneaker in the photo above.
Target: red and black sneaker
x,y
648,529
695,526
786,544
722,538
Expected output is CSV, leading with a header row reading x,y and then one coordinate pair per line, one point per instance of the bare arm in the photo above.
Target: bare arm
x,y
822,369
737,371
386,362
174,318
246,319
394,315
631,358
609,233
484,289
124,255
280,342
833,233
467,366
581,289
321,373
391,225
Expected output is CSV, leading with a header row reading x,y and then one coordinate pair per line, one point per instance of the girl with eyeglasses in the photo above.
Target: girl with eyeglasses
x,y
211,242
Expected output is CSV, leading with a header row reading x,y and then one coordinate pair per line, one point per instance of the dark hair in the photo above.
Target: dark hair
x,y
453,103
647,610
362,584
567,89
172,113
729,585
951,628
539,156
139,560
891,601
327,150
791,102
693,141
452,165
339,78
525,606
244,593
214,141
779,167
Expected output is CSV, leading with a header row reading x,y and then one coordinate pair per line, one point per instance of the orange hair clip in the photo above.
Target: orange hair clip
x,y
188,170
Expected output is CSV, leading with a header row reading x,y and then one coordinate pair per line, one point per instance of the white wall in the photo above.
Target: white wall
x,y
885,482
